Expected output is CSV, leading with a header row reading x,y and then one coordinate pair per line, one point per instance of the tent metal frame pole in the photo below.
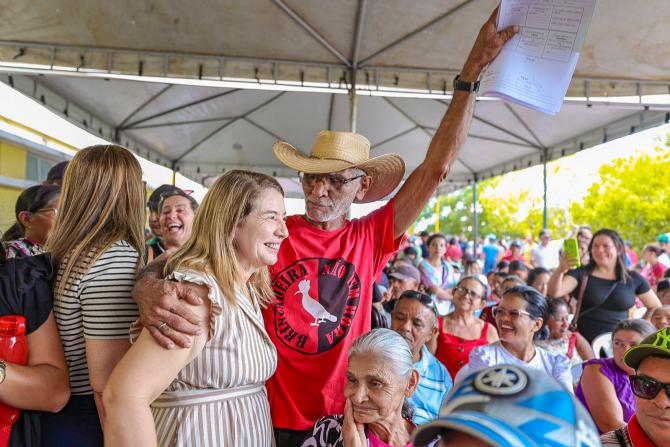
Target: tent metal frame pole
x,y
545,215
475,217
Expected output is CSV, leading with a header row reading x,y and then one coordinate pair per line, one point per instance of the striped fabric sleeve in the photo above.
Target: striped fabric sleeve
x,y
107,306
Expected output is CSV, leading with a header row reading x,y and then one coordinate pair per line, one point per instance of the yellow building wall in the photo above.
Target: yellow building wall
x,y
13,161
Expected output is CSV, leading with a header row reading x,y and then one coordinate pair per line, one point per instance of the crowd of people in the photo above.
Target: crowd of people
x,y
227,323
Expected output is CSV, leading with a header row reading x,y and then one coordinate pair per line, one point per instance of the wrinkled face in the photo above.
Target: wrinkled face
x,y
176,221
375,390
326,201
414,322
154,223
398,286
541,282
661,318
259,235
469,295
437,247
513,329
558,322
654,414
603,251
41,222
622,341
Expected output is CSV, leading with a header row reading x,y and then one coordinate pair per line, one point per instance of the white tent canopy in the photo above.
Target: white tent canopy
x,y
216,76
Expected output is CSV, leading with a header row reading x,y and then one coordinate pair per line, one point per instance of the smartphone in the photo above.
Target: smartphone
x,y
571,250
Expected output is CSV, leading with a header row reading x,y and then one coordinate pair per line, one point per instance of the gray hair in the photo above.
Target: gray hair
x,y
393,350
642,327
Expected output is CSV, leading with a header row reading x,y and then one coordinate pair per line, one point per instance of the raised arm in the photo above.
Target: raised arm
x,y
452,132
561,284
161,301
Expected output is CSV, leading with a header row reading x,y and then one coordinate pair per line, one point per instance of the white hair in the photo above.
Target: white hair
x,y
389,345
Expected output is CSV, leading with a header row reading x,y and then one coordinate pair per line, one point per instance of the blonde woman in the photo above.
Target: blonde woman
x,y
213,393
96,245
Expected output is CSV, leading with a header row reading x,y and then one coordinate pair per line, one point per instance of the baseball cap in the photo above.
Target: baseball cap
x,y
405,271
512,406
515,244
657,344
491,237
663,238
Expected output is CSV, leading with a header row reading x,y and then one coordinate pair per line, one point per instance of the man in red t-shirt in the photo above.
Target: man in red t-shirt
x,y
325,269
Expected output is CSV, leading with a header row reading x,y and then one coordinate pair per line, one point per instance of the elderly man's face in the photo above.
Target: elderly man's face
x,y
654,414
329,196
414,322
398,286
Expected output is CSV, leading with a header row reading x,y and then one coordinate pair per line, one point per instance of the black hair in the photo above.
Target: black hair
x,y
424,233
536,306
517,266
622,274
533,274
179,193
502,265
453,241
655,249
434,236
553,304
518,281
30,200
411,251
502,275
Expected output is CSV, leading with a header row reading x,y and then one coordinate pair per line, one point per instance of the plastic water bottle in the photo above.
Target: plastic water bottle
x,y
13,349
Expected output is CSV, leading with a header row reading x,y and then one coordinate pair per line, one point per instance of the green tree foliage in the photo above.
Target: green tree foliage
x,y
631,197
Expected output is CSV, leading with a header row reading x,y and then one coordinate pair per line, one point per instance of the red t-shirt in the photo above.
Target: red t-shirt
x,y
323,300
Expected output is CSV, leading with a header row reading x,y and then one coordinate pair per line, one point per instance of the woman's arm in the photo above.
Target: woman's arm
x,y
584,348
561,284
43,384
650,301
601,399
139,378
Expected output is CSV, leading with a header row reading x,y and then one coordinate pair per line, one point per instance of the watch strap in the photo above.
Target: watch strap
x,y
464,86
3,370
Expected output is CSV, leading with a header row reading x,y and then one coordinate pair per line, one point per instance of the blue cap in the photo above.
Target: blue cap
x,y
511,406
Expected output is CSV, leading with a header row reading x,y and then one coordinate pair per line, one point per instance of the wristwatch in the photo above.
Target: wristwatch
x,y
3,367
464,86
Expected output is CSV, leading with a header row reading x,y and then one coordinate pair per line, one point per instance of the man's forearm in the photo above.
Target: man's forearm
x,y
154,270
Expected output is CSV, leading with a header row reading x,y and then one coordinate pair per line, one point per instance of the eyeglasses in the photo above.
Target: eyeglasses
x,y
44,210
424,299
465,291
514,314
647,388
333,181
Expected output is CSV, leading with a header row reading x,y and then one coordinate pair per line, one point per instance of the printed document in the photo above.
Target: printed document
x,y
535,67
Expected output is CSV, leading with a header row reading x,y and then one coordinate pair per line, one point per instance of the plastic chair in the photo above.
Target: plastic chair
x,y
602,344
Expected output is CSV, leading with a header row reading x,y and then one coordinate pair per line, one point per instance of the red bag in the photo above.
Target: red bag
x,y
13,349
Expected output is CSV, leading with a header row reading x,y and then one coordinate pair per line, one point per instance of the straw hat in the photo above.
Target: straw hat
x,y
336,151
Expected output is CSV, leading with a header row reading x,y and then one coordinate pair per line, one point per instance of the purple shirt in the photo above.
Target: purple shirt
x,y
619,379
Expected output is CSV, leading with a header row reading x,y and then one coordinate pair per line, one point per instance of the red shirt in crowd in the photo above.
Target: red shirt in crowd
x,y
323,299
454,253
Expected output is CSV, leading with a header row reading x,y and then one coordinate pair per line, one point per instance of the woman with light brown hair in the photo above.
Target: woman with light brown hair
x,y
96,244
212,393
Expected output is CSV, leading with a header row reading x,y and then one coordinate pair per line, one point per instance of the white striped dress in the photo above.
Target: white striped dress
x,y
95,305
219,399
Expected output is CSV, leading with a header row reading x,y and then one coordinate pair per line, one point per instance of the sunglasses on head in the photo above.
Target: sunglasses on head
x,y
424,299
645,387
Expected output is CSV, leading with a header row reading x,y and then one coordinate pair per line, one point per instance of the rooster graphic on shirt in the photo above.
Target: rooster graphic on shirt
x,y
312,306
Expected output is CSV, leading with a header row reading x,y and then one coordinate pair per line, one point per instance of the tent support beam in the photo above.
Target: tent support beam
x,y
143,105
181,123
415,32
330,111
545,214
360,17
526,126
311,31
176,109
475,216
391,138
220,128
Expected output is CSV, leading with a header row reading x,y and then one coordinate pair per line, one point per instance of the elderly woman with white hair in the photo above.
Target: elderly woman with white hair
x,y
380,378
